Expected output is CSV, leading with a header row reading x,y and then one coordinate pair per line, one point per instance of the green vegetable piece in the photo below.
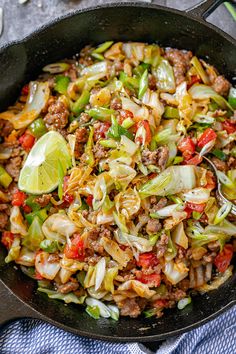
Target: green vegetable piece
x,y
42,214
171,112
213,106
222,213
29,271
61,176
38,128
103,47
184,302
132,83
81,276
108,204
35,235
89,148
56,68
101,113
117,130
149,313
62,83
153,239
97,56
177,160
127,123
93,311
152,55
219,154
196,215
5,178
161,290
108,143
200,70
143,84
232,97
67,298
171,250
139,70
78,106
49,246
30,201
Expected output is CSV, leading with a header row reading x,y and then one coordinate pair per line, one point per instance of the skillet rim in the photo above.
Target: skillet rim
x,y
32,35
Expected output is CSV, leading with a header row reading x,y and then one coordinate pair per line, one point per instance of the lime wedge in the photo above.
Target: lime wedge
x,y
40,173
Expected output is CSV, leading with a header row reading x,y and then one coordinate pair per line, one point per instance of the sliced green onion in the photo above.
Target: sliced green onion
x,y
143,84
108,143
30,201
213,106
199,68
103,47
153,239
225,180
93,311
89,148
49,246
78,106
176,200
97,56
127,123
61,84
56,68
42,214
116,130
222,212
5,178
150,313
219,154
184,302
232,97
177,160
101,113
171,112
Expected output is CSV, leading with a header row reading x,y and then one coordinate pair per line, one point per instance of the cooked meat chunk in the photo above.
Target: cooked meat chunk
x,y
131,307
161,245
81,135
231,162
180,59
158,205
152,82
57,116
13,167
153,226
84,118
68,287
43,200
220,165
99,151
3,221
5,127
221,85
116,103
157,157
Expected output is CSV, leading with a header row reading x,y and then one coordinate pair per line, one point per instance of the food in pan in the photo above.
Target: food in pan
x,y
106,199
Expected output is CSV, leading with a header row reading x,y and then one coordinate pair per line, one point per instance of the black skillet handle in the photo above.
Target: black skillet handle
x,y
205,8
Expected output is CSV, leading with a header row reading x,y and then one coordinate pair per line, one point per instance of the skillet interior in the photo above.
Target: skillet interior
x,y
22,61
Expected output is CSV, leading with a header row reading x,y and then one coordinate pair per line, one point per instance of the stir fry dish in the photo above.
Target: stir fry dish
x,y
106,198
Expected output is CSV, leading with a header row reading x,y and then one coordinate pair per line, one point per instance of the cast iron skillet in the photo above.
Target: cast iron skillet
x,y
23,60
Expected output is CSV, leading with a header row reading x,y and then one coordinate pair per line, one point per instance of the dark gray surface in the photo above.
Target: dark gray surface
x,y
20,20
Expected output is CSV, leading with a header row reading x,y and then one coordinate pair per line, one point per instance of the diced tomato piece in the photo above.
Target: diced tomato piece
x,y
27,209
25,90
211,181
160,303
89,200
187,147
196,207
27,141
193,80
100,131
207,136
38,276
229,127
7,239
147,260
195,160
76,249
152,175
188,211
147,134
124,114
68,198
152,280
223,259
18,198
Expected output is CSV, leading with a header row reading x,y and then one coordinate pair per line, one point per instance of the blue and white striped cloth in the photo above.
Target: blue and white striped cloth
x,y
37,337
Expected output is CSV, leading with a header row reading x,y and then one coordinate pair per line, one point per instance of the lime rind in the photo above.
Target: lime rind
x,y
40,172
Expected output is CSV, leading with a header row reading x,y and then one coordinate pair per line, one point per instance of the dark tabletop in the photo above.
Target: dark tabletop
x,y
20,20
